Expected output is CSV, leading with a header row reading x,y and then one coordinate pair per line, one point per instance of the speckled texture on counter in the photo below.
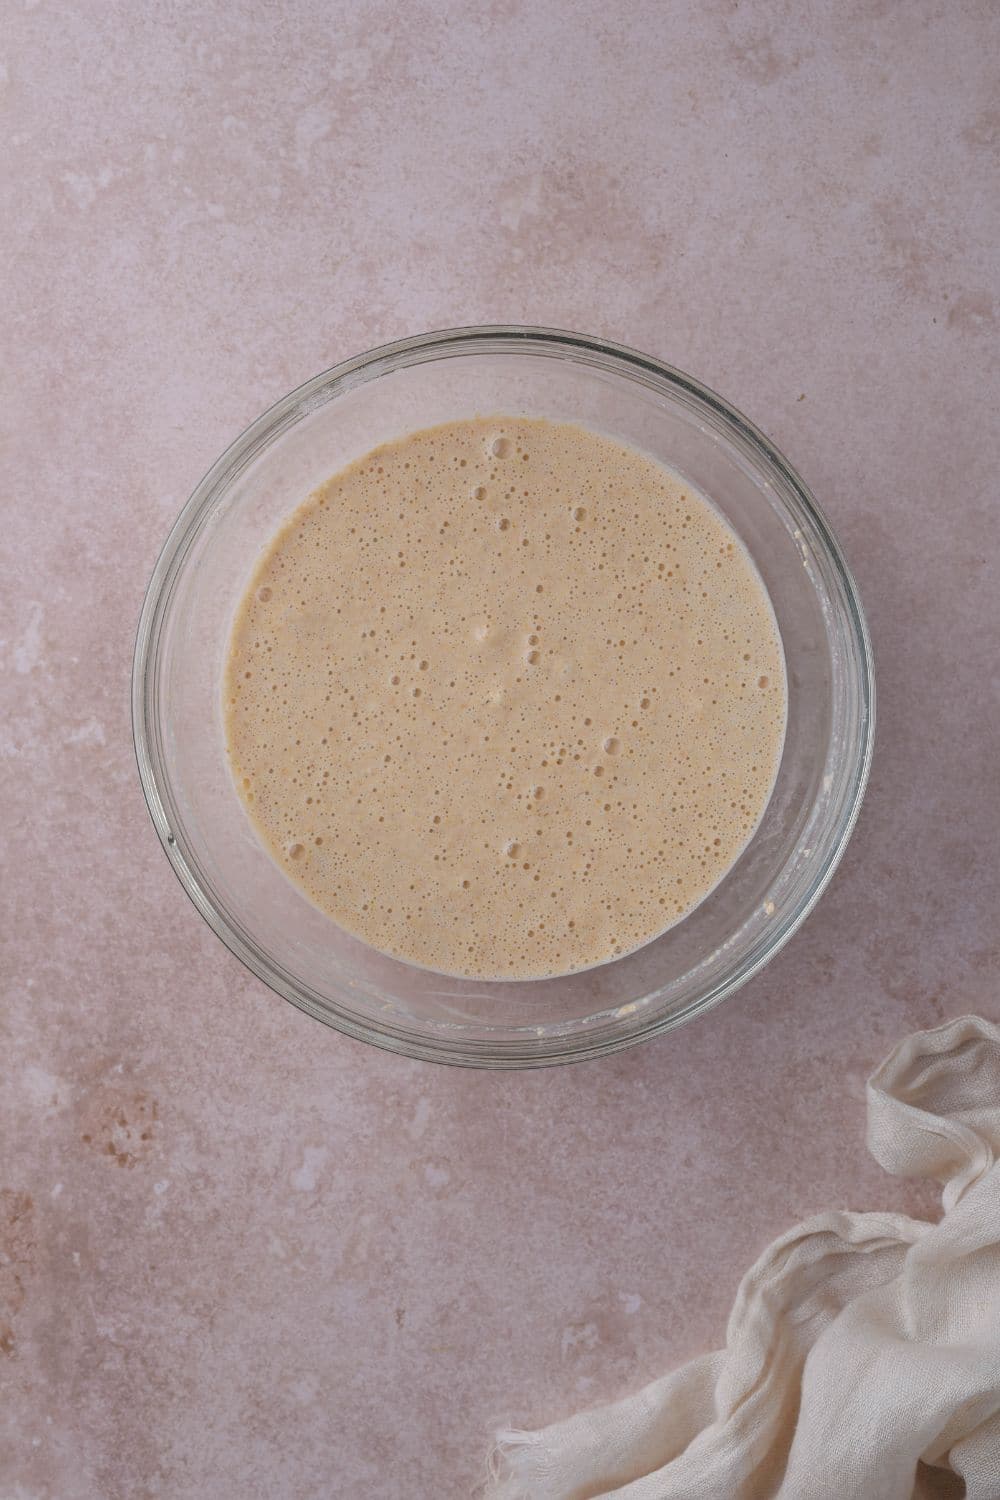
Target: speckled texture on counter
x,y
241,1256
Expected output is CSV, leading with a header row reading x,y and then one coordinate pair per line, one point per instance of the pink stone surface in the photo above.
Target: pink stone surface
x,y
243,1256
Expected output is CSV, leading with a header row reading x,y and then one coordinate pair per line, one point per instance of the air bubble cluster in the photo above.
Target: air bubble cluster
x,y
505,698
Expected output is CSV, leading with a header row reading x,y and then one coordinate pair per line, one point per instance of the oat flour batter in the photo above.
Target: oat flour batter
x,y
505,698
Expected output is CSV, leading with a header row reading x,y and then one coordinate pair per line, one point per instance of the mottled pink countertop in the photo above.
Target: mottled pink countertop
x,y
241,1256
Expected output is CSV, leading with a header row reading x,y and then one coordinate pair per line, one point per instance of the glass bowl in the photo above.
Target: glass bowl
x,y
268,923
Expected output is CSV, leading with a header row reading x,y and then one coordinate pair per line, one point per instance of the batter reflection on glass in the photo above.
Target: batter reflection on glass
x,y
505,698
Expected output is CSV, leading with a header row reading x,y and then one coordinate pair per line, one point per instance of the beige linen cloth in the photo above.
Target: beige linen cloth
x,y
862,1358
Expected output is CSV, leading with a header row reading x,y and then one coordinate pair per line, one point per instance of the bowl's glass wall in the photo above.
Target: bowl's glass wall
x,y
265,918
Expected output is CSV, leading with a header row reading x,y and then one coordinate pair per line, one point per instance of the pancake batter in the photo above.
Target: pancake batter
x,y
505,698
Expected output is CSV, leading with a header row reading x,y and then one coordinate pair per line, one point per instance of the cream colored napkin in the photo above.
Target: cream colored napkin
x,y
862,1358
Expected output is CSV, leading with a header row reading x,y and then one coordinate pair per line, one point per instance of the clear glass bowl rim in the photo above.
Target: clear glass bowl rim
x,y
207,494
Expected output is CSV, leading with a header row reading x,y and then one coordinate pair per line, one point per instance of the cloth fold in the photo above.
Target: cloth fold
x,y
862,1357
